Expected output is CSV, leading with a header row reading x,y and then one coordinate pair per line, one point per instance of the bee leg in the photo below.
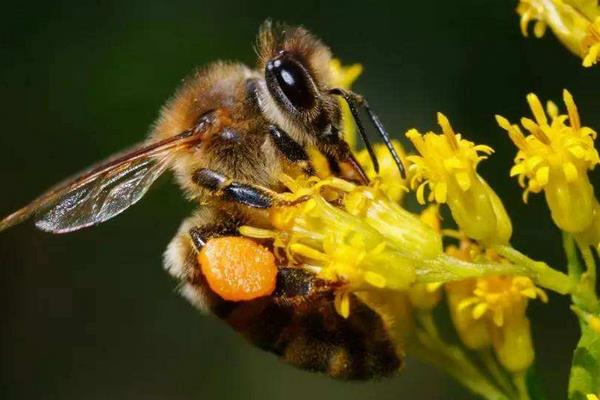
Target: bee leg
x,y
350,163
342,162
181,255
242,193
291,149
202,234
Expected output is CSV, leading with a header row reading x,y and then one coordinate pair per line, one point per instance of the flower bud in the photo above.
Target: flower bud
x,y
555,158
447,164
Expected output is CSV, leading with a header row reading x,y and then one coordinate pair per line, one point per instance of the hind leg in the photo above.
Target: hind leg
x,y
181,257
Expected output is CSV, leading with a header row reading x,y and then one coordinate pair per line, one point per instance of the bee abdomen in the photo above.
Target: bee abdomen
x,y
355,348
300,324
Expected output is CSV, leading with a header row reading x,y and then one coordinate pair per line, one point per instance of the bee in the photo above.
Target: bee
x,y
228,134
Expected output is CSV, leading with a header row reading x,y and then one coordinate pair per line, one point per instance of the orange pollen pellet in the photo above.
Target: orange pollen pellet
x,y
238,268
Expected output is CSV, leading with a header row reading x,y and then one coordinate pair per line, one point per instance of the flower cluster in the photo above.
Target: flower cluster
x,y
447,164
404,265
370,242
555,157
491,311
576,23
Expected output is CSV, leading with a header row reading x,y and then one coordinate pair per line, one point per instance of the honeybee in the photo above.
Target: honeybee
x,y
228,134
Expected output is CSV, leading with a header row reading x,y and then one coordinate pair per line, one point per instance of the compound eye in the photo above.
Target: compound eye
x,y
294,82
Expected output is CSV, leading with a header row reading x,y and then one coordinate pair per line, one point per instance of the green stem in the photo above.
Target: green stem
x,y
584,295
590,264
428,345
587,297
453,361
573,264
489,361
445,268
519,380
428,324
540,272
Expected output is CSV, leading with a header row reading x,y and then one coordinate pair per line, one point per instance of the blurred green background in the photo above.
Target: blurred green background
x,y
92,315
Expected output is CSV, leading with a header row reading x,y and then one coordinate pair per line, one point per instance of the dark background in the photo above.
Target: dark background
x,y
92,315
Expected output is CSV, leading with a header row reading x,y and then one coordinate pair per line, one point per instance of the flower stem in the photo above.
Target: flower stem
x,y
519,380
453,361
445,268
427,345
543,275
585,294
489,361
573,264
590,263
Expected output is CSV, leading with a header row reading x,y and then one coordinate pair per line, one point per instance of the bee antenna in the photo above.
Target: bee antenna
x,y
361,129
386,138
352,99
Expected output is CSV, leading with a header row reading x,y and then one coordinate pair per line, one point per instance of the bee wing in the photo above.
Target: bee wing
x,y
104,190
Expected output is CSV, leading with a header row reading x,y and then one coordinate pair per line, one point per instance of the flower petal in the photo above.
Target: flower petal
x,y
441,191
464,180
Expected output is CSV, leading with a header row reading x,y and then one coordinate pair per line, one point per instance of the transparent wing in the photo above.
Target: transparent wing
x,y
102,198
105,190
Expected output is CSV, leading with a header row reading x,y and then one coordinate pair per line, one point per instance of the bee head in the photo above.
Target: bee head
x,y
297,78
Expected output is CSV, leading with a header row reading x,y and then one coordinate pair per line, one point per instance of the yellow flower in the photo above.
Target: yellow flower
x,y
368,243
591,42
365,241
592,397
358,238
431,216
343,77
491,310
555,158
502,301
389,179
501,298
447,164
513,345
474,333
575,23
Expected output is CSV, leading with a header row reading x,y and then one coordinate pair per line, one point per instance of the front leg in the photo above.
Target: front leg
x,y
342,162
291,149
243,193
